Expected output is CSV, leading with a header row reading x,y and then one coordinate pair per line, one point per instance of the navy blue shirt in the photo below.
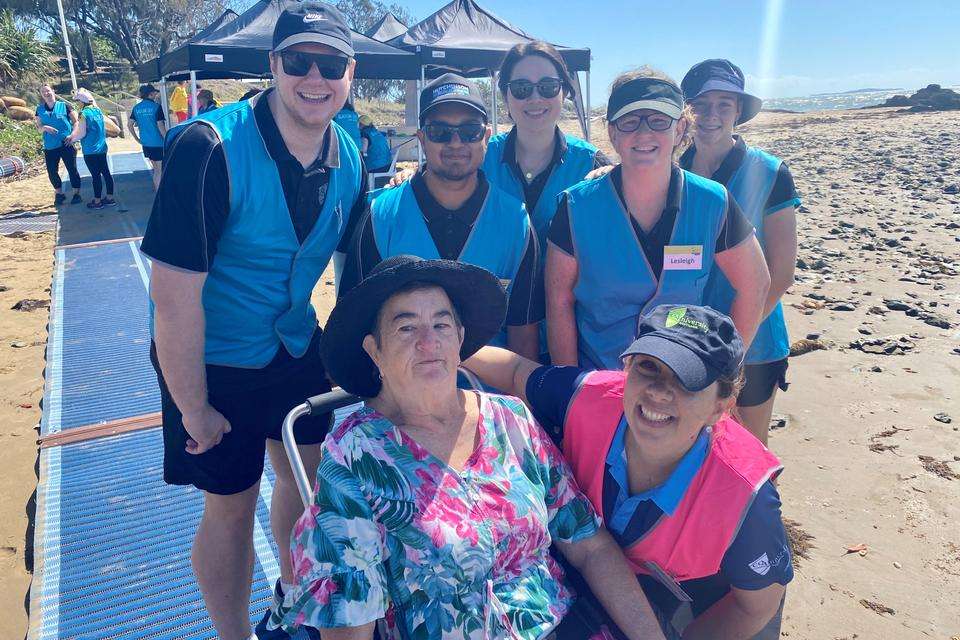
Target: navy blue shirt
x,y
759,555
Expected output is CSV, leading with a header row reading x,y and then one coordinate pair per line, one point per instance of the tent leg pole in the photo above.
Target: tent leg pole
x,y
423,83
193,93
587,94
163,99
493,92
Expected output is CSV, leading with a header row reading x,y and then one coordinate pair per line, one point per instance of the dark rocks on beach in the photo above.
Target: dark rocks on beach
x,y
896,305
944,418
884,346
30,304
933,97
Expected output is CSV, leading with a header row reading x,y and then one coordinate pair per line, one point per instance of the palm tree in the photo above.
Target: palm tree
x,y
24,58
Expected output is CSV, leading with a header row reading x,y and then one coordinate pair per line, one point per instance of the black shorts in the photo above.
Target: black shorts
x,y
255,402
761,380
153,153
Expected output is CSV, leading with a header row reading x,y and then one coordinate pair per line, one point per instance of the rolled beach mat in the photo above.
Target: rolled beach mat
x,y
11,166
20,113
10,101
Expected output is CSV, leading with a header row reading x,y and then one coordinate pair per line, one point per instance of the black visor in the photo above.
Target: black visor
x,y
645,93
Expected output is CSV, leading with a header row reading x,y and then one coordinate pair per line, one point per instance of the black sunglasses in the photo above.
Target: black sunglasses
x,y
655,122
298,63
546,87
440,133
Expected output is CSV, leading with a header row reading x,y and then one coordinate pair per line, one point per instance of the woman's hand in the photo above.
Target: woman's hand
x,y
599,172
400,177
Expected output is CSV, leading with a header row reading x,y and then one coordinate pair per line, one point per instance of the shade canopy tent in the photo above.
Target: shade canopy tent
x,y
386,28
238,49
467,38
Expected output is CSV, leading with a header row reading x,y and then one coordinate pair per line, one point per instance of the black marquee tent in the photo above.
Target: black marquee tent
x,y
464,37
238,49
386,28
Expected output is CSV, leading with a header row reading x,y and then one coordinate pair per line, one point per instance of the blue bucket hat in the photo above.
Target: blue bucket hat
x,y
699,344
720,75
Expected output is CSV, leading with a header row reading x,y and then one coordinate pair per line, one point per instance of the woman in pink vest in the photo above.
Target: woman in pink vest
x,y
686,491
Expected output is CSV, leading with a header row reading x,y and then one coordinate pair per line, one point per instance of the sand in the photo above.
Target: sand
x,y
868,463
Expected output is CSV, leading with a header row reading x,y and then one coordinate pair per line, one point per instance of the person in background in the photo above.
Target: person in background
x,y
762,185
350,121
55,119
91,131
206,101
449,210
375,146
250,93
686,491
148,127
178,102
644,234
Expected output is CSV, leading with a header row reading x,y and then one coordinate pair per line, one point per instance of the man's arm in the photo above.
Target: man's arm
x,y
132,128
602,564
739,615
179,338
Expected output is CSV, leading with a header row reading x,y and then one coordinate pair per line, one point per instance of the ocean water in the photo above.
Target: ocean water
x,y
845,100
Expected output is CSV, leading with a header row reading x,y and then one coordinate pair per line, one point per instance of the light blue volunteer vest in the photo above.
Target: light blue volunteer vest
x,y
145,113
615,285
496,243
577,162
378,149
350,121
95,140
59,120
257,293
750,186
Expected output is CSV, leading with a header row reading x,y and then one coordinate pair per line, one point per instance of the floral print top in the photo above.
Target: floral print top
x,y
468,551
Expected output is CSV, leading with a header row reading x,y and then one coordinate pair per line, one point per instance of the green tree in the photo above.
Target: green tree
x,y
24,58
361,15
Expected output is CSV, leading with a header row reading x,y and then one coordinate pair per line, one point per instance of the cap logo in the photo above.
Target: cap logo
x,y
314,17
678,316
446,89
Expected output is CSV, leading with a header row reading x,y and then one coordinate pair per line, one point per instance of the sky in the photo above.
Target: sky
x,y
785,47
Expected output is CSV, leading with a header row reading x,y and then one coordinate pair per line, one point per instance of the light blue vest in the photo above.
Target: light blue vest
x,y
616,285
95,140
59,120
378,150
750,186
577,162
350,122
496,243
145,113
257,293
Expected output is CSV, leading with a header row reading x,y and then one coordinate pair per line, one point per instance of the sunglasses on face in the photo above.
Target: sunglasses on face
x,y
655,122
298,63
546,87
441,133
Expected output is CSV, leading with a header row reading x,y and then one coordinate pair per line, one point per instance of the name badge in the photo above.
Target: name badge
x,y
683,257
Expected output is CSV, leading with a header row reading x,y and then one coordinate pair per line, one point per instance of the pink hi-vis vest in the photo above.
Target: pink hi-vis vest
x,y
691,543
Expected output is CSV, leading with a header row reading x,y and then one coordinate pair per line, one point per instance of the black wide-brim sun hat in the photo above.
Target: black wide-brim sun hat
x,y
477,296
720,75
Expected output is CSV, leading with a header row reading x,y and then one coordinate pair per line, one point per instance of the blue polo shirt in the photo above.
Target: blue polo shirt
x,y
759,555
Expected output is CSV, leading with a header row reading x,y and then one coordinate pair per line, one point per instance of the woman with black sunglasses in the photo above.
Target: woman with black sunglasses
x,y
644,234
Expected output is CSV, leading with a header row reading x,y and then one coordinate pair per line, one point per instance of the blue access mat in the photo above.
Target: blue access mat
x,y
119,164
98,365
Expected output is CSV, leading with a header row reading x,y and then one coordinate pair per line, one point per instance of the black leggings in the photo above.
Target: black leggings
x,y
97,163
52,157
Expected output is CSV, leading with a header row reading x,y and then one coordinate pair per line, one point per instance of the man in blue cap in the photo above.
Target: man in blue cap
x,y
685,490
256,198
449,210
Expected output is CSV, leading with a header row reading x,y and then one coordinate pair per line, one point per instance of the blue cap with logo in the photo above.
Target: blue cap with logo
x,y
699,344
451,88
313,22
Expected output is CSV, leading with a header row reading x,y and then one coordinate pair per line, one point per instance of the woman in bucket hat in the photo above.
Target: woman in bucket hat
x,y
686,491
762,185
436,507
644,234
